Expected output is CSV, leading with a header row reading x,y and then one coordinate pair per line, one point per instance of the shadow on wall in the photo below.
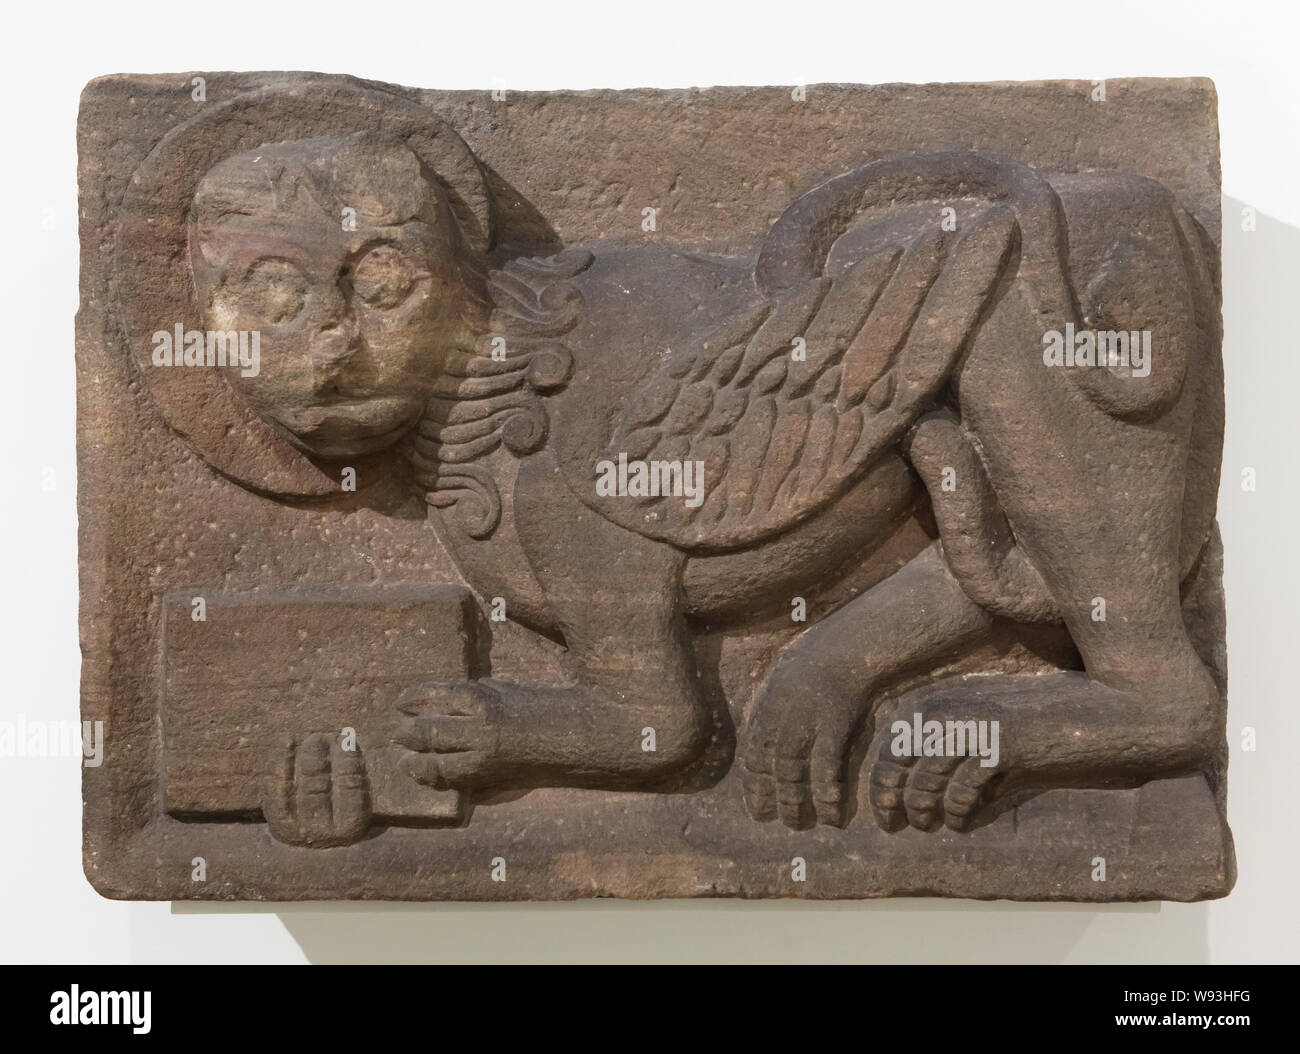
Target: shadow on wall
x,y
1260,279
1261,276
728,931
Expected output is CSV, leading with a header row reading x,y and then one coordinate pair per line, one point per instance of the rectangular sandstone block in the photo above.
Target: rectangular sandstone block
x,y
747,492
259,668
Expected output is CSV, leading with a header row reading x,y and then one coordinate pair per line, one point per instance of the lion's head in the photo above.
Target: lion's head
x,y
345,256
379,321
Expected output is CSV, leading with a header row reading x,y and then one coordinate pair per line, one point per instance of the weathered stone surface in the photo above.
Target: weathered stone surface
x,y
617,490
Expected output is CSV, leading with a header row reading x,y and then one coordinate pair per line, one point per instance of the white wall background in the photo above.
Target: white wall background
x,y
48,913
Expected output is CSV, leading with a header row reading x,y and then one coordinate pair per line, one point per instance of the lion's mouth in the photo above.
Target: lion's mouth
x,y
341,425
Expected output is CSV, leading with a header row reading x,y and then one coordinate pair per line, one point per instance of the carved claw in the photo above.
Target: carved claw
x,y
315,793
797,745
925,792
451,730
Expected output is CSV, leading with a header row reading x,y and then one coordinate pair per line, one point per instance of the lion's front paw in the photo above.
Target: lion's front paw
x,y
452,730
315,793
926,769
797,746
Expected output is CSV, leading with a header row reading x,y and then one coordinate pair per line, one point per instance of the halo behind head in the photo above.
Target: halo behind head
x,y
154,287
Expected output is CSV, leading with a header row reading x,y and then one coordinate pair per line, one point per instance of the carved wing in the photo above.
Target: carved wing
x,y
784,408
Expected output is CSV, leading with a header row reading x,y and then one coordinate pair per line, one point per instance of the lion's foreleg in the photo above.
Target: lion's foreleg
x,y
636,711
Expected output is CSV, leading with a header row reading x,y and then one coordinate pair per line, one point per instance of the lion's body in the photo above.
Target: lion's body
x,y
831,392
646,310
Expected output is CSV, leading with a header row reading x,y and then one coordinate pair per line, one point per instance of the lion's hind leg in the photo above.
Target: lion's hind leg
x,y
1095,503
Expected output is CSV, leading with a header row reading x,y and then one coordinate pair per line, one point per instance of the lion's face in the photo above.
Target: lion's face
x,y
341,253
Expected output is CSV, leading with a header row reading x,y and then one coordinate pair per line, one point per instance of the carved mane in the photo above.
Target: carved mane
x,y
489,393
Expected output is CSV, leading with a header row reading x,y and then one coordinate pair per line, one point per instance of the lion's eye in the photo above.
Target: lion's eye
x,y
272,291
383,278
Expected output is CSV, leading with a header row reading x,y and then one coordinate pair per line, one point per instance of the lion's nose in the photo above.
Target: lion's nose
x,y
331,351
337,340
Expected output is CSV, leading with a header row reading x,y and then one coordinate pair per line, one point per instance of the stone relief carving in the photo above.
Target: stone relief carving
x,y
988,392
